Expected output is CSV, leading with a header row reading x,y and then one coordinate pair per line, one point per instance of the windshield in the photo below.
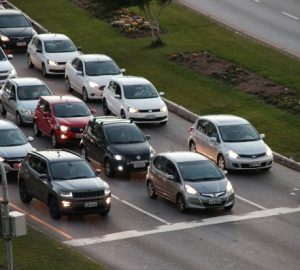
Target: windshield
x,y
98,68
32,92
13,21
65,110
2,55
59,46
76,169
12,137
198,171
139,91
124,134
238,133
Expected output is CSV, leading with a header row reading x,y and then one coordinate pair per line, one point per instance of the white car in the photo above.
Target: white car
x,y
7,70
134,98
88,74
50,53
231,142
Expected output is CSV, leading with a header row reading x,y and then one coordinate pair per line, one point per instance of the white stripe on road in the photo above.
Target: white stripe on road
x,y
289,15
252,203
257,1
181,226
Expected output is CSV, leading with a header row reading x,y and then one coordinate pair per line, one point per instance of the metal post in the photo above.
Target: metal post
x,y
5,219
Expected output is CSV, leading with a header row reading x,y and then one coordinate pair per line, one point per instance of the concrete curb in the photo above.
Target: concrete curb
x,y
181,111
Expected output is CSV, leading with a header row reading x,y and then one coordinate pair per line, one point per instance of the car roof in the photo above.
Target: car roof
x,y
5,124
181,156
10,12
225,119
105,120
61,99
131,80
94,57
27,81
58,155
53,36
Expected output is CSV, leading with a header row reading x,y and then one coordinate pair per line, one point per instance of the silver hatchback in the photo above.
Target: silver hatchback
x,y
190,180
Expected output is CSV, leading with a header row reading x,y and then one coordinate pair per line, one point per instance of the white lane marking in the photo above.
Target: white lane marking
x,y
257,1
181,226
252,203
141,210
289,15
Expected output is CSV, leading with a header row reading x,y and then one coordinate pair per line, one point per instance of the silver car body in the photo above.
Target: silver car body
x,y
249,155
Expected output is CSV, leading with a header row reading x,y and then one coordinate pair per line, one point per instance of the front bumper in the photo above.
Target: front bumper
x,y
94,92
248,163
130,165
56,69
16,43
156,117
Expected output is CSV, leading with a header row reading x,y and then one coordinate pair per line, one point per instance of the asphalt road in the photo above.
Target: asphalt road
x,y
275,22
261,232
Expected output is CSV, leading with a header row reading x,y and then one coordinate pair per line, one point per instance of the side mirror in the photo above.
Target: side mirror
x,y
79,72
117,96
225,172
262,136
38,51
170,176
161,94
148,137
12,98
123,70
44,177
98,171
30,139
213,140
93,111
10,56
79,49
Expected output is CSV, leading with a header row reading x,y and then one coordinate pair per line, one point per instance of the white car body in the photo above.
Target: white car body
x,y
207,137
147,109
7,70
90,86
49,62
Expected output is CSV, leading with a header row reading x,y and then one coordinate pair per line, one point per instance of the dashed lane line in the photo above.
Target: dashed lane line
x,y
250,202
289,15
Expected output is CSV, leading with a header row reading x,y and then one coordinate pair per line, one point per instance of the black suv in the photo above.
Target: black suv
x,y
116,143
65,182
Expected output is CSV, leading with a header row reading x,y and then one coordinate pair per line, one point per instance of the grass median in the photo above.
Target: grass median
x,y
186,31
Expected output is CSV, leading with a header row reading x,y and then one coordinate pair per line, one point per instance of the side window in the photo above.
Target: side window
x,y
47,107
161,164
42,167
41,104
100,133
212,131
12,91
80,66
34,162
112,86
118,90
75,63
39,45
7,88
90,130
171,169
202,126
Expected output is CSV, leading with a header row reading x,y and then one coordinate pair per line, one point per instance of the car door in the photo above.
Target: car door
x,y
100,144
5,94
11,102
199,135
213,139
32,50
113,103
43,181
89,139
44,117
171,181
159,176
37,52
72,73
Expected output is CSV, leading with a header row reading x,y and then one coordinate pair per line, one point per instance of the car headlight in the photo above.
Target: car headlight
x,y
12,73
4,38
132,110
269,152
152,153
25,111
66,194
118,157
63,128
94,85
2,159
233,155
229,187
163,109
190,190
52,63
106,191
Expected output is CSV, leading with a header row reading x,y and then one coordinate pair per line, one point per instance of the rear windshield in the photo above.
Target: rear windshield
x,y
32,92
13,21
65,110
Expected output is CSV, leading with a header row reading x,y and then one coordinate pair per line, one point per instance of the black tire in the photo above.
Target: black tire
x,y
192,147
54,142
44,71
36,131
151,190
164,123
106,111
25,198
122,114
54,210
180,203
85,96
228,208
221,162
68,85
109,170
19,120
104,212
29,63
2,110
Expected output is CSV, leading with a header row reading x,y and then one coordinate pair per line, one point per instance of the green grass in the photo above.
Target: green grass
x,y
186,31
35,251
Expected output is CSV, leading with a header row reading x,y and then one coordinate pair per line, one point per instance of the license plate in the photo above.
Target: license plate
x,y
21,44
255,164
214,201
78,136
139,165
90,204
150,116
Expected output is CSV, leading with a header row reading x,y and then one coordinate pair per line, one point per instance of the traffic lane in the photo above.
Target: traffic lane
x,y
249,245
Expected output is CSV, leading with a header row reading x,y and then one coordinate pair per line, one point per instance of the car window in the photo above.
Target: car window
x,y
2,55
13,21
118,90
161,163
75,63
46,107
7,88
211,131
140,91
42,167
98,68
33,162
32,92
99,133
59,46
80,66
12,91
171,170
202,126
39,45
34,42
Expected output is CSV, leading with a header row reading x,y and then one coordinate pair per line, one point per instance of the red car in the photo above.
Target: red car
x,y
63,118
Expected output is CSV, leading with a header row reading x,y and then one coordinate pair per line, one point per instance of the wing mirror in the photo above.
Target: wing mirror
x,y
98,171
161,94
30,139
79,49
93,111
262,136
38,50
148,137
170,176
10,56
123,70
117,96
213,140
12,98
79,72
44,177
225,172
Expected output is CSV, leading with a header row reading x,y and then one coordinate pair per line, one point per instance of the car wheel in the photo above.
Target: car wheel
x,y
54,140
192,147
84,153
227,208
109,170
105,211
180,203
54,210
25,198
44,71
19,120
122,114
163,123
151,190
106,111
36,131
85,96
2,110
29,63
68,85
221,162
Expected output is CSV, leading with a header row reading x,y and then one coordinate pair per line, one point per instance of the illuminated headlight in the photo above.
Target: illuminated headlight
x,y
190,190
52,63
2,159
233,155
118,157
12,73
133,110
94,85
229,187
269,152
63,128
27,112
108,200
66,194
106,191
163,109
4,38
66,204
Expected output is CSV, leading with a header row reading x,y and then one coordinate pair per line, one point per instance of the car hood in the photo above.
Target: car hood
x,y
247,148
145,103
103,79
61,57
84,184
131,149
17,32
209,186
28,104
5,65
74,121
15,151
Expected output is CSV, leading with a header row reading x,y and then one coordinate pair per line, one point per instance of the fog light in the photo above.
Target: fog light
x,y
63,136
66,204
107,200
120,168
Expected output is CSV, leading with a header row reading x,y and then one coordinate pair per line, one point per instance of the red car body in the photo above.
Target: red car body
x,y
62,118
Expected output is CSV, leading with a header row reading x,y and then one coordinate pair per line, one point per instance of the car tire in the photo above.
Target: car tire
x,y
192,147
54,142
164,123
228,208
85,96
54,210
29,63
221,162
106,111
109,170
104,212
36,131
2,110
68,84
180,203
151,190
19,120
122,114
84,153
44,71
25,198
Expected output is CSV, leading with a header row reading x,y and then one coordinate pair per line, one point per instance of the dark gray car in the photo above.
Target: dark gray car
x,y
65,182
190,180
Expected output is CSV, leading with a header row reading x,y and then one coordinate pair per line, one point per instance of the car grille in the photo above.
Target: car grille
x,y
3,77
137,157
4,71
253,156
88,194
149,111
213,195
20,39
149,119
77,129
